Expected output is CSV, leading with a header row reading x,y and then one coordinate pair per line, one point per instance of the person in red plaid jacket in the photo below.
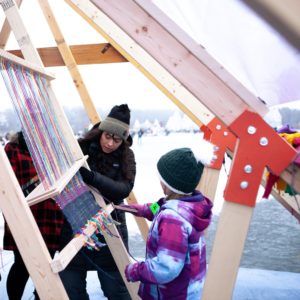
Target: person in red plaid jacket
x,y
47,214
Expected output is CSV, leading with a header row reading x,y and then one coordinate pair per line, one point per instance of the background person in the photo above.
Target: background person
x,y
47,214
113,170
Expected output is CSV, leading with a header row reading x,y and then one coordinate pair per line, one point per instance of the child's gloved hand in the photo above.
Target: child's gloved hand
x,y
139,210
134,209
87,175
132,272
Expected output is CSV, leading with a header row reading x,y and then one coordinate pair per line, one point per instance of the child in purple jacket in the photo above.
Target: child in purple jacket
x,y
175,262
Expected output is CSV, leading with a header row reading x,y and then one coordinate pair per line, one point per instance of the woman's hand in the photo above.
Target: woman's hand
x,y
87,175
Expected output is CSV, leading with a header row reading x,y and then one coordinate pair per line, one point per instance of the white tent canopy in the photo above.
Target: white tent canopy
x,y
243,43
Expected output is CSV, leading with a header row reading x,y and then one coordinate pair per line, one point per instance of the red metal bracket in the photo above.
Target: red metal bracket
x,y
218,134
258,146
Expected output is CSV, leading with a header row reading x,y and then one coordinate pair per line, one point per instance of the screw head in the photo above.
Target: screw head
x,y
263,141
248,169
251,129
244,185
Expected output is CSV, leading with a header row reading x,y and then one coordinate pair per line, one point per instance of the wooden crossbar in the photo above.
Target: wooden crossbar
x,y
24,63
39,193
71,249
83,54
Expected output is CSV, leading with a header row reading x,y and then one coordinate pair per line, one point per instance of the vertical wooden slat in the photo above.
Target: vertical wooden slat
x,y
6,30
141,222
70,62
227,251
26,234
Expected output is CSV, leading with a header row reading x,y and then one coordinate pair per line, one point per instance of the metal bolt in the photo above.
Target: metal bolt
x,y
225,133
244,185
251,130
248,169
263,141
218,127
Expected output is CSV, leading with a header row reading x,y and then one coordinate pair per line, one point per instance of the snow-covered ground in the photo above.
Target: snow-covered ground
x,y
252,284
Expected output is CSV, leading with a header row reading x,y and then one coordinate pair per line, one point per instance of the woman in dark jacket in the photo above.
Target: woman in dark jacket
x,y
47,214
113,169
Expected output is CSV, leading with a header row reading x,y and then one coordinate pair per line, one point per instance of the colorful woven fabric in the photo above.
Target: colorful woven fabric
x,y
52,157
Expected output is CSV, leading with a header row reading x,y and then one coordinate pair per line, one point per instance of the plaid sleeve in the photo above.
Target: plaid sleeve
x,y
12,156
21,163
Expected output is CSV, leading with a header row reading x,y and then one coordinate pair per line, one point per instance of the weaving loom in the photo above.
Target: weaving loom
x,y
51,156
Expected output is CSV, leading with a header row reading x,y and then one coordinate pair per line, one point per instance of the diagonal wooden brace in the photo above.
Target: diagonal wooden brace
x,y
218,134
258,146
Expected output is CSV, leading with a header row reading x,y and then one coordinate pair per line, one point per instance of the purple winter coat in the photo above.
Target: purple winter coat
x,y
175,263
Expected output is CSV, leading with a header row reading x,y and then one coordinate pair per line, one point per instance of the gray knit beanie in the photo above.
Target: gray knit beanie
x,y
117,121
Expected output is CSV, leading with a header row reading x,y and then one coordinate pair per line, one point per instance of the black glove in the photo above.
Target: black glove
x,y
87,175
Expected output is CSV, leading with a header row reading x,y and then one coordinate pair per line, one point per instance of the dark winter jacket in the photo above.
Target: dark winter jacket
x,y
175,262
115,187
47,214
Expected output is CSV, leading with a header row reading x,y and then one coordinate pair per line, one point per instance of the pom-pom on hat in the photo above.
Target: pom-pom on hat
x,y
117,121
180,169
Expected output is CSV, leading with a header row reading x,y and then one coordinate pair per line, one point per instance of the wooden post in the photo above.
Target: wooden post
x,y
141,222
6,30
70,62
27,235
227,250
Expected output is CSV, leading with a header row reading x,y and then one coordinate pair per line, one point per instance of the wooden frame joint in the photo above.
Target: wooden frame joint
x,y
258,146
218,134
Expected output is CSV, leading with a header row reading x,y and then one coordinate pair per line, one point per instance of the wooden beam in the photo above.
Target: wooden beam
x,y
291,175
164,80
22,62
69,60
209,182
144,62
118,251
289,202
64,257
26,234
226,253
39,194
282,15
188,62
5,30
141,222
83,54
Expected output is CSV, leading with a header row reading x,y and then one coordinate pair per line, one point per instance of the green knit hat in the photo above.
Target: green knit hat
x,y
180,170
117,121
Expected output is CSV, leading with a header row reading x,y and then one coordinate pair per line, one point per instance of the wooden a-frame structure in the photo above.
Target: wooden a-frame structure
x,y
228,113
43,270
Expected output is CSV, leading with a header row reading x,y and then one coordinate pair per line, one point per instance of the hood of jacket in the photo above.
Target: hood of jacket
x,y
196,209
